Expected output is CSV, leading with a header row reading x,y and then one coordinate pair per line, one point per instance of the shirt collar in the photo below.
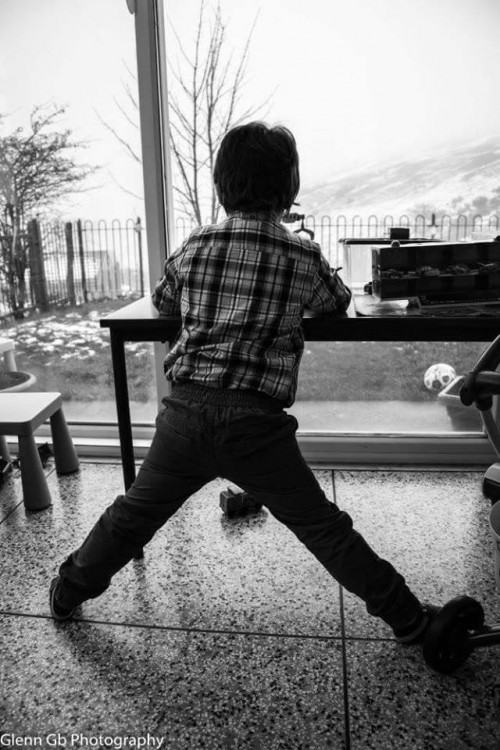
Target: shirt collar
x,y
273,216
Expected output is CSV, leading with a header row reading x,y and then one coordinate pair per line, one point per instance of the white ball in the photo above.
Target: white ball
x,y
439,376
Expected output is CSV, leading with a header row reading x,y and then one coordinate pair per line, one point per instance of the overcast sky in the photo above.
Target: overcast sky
x,y
356,80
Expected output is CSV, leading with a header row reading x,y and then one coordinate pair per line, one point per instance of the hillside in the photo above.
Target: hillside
x,y
464,179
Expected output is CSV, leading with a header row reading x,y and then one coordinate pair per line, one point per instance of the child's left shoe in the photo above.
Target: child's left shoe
x,y
57,611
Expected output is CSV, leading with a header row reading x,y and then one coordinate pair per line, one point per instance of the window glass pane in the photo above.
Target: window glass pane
x,y
393,108
382,387
72,232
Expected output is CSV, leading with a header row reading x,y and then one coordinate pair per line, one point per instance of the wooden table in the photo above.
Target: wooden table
x,y
140,321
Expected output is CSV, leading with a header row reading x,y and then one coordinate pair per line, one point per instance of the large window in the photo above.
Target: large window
x,y
392,108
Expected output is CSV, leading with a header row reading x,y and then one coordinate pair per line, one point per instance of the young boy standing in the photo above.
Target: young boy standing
x,y
241,288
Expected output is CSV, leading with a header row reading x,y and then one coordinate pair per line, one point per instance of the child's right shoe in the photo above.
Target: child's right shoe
x,y
415,632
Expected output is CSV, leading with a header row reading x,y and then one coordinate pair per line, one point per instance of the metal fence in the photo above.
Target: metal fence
x,y
108,258
75,262
72,262
330,230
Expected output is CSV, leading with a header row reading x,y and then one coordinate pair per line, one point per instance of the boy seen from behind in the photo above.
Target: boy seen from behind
x,y
241,288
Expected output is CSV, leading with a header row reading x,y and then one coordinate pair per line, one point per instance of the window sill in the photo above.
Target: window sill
x,y
319,449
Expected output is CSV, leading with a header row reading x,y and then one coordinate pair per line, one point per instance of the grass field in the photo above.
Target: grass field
x,y
374,370
69,352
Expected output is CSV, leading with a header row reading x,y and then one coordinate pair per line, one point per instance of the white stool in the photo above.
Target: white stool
x,y
11,380
21,414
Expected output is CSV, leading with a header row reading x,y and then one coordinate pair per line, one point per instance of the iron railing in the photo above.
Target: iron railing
x,y
82,261
330,230
77,262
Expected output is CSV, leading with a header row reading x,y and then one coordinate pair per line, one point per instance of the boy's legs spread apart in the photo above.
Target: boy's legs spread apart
x,y
176,466
260,453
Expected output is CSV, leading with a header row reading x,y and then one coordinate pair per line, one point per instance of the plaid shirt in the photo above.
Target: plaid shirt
x,y
241,288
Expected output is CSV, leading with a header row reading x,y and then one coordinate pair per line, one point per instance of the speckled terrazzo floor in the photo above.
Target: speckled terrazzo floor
x,y
229,634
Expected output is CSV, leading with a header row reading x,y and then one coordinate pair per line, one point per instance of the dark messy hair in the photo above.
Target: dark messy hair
x,y
257,168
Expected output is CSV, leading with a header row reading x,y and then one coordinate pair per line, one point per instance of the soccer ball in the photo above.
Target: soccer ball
x,y
439,376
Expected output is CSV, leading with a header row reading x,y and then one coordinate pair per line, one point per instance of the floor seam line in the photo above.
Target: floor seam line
x,y
172,628
347,717
114,623
345,678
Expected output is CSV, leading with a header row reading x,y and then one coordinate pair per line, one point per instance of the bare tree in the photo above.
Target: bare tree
x,y
37,168
128,106
206,85
205,101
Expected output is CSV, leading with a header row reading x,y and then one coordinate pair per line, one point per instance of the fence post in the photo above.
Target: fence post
x,y
138,229
79,234
37,269
70,254
433,226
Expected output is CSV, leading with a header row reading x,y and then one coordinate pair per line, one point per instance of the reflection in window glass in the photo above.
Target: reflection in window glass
x,y
375,94
71,205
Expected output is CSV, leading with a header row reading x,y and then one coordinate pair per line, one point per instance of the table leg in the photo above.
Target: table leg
x,y
123,412
123,407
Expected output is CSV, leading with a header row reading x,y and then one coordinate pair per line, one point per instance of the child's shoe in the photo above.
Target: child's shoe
x,y
57,611
415,632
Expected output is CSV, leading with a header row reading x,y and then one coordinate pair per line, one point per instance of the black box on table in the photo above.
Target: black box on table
x,y
437,273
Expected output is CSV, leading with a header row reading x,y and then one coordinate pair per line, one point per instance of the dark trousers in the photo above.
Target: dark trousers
x,y
255,447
